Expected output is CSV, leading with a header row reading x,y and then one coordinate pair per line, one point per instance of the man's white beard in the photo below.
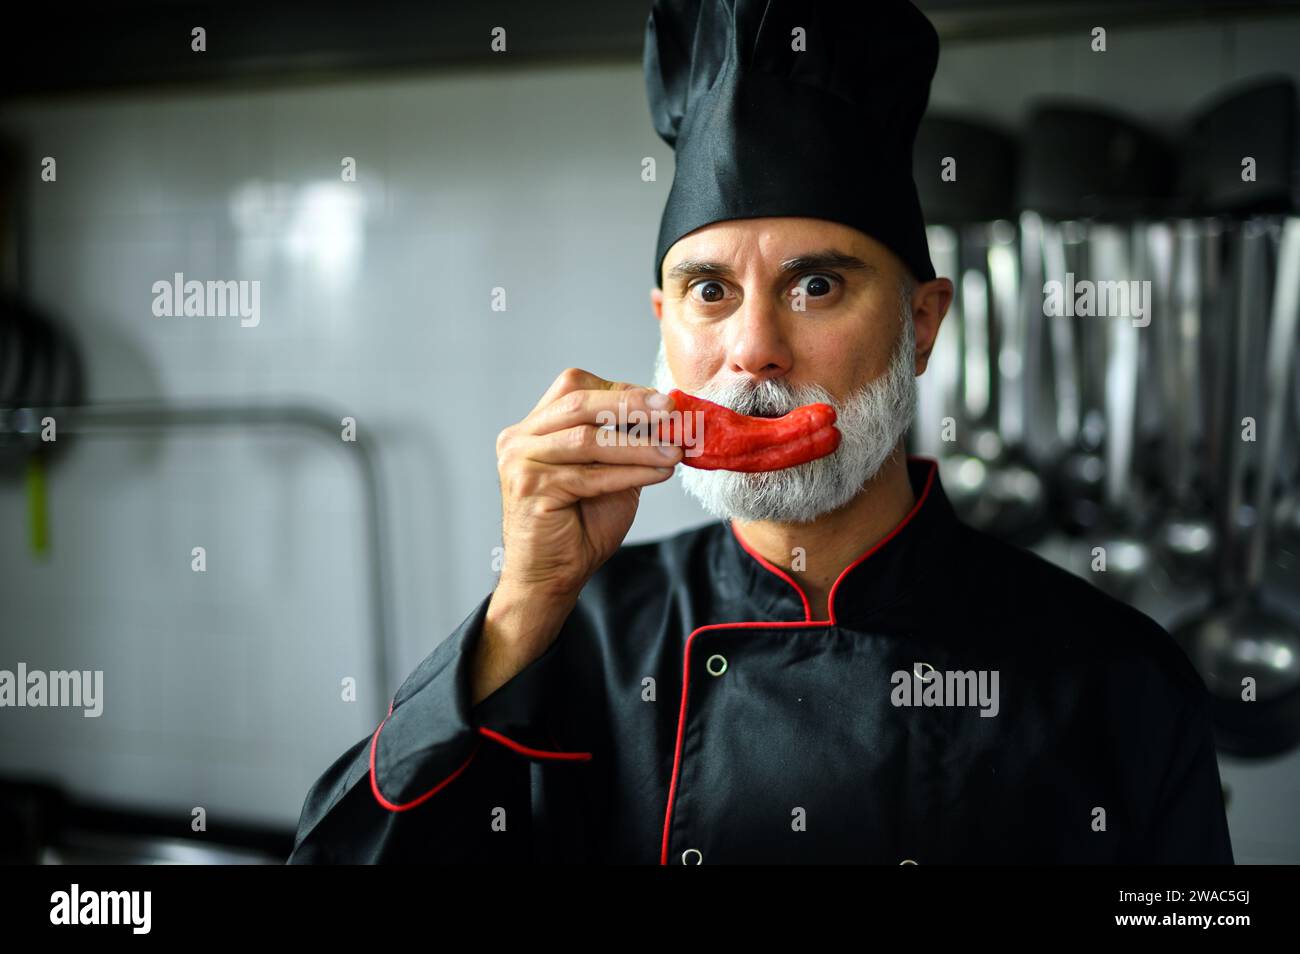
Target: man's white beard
x,y
872,423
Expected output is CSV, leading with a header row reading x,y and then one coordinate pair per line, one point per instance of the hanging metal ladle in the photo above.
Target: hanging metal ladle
x,y
1185,536
1241,642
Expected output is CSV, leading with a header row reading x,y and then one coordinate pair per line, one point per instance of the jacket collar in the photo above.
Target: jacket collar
x,y
892,571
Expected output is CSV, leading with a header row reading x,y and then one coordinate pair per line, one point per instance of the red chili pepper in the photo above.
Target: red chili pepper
x,y
738,442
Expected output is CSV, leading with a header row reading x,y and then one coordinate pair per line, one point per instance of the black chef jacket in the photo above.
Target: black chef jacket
x,y
692,710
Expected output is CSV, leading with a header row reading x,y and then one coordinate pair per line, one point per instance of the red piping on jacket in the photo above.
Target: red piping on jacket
x,y
807,609
534,753
482,730
806,621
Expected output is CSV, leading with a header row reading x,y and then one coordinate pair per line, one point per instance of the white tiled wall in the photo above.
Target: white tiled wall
x,y
223,688
375,304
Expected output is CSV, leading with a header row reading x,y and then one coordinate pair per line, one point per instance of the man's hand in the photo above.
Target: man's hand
x,y
568,499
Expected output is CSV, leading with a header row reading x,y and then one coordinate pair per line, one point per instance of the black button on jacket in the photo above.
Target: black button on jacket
x,y
692,711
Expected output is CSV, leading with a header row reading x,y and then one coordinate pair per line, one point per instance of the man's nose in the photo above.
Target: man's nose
x,y
756,341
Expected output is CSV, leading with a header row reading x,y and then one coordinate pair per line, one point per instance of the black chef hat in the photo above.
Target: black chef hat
x,y
761,129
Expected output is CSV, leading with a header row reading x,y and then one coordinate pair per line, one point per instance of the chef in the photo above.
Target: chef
x,y
834,668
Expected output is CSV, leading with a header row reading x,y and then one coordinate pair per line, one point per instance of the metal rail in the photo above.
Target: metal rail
x,y
22,425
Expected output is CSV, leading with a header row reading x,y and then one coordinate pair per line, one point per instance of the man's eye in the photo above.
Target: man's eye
x,y
710,291
816,286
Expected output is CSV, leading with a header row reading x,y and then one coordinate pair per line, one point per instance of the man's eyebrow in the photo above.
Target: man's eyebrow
x,y
825,258
692,266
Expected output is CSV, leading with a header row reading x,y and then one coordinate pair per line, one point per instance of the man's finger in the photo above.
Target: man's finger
x,y
598,407
584,444
570,379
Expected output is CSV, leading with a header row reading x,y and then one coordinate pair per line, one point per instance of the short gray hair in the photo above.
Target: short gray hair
x,y
906,288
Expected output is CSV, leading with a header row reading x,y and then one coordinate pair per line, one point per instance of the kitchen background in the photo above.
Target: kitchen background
x,y
328,559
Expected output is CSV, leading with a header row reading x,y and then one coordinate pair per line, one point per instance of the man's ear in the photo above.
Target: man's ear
x,y
930,303
657,302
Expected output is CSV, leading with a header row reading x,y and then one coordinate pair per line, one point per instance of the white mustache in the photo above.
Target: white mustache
x,y
872,422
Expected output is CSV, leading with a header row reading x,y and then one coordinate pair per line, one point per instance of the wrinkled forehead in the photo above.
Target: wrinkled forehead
x,y
759,248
